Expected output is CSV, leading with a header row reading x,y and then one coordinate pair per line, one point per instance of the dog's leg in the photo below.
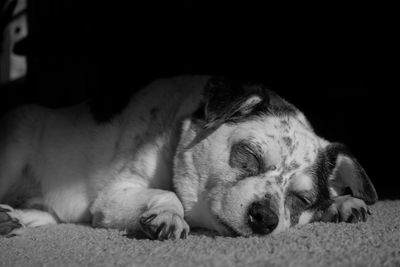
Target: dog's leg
x,y
14,221
346,209
127,206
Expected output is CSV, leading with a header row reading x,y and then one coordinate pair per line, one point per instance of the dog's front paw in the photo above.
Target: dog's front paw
x,y
8,221
164,225
346,209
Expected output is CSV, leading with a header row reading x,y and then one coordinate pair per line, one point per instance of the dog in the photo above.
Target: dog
x,y
190,151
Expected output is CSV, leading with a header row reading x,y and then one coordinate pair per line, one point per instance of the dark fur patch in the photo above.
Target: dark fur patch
x,y
284,123
320,173
287,140
199,114
292,166
279,179
320,193
225,97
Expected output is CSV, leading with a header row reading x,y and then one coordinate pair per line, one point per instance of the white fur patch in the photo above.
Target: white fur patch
x,y
305,217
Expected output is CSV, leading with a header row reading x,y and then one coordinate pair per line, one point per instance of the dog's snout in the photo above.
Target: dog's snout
x,y
262,219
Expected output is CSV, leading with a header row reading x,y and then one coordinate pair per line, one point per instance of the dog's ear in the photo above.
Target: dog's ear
x,y
345,174
230,100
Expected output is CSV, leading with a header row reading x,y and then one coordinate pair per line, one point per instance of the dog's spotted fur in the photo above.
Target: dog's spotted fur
x,y
230,156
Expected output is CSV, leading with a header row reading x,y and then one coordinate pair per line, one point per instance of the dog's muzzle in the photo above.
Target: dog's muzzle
x,y
261,218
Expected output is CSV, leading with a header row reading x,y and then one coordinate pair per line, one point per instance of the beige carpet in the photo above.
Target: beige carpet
x,y
374,243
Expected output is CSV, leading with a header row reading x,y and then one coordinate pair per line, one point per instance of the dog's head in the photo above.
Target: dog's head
x,y
249,162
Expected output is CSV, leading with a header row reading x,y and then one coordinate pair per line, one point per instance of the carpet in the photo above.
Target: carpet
x,y
373,243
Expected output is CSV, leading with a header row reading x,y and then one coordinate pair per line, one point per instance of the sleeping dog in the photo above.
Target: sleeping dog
x,y
194,151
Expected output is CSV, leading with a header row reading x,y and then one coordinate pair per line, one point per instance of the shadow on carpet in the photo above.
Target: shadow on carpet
x,y
373,243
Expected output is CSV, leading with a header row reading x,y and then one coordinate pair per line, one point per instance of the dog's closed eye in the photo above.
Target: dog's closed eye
x,y
244,158
306,201
302,199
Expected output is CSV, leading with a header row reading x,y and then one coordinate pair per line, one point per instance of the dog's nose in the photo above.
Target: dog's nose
x,y
262,219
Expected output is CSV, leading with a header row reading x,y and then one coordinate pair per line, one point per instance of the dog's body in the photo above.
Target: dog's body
x,y
228,156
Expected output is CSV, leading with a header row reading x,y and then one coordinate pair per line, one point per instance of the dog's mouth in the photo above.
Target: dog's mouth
x,y
229,229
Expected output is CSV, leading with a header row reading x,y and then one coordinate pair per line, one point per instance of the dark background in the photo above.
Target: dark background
x,y
336,63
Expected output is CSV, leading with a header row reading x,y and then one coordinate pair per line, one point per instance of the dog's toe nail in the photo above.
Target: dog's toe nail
x,y
171,231
184,234
171,235
356,213
161,231
363,215
369,212
350,218
146,220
